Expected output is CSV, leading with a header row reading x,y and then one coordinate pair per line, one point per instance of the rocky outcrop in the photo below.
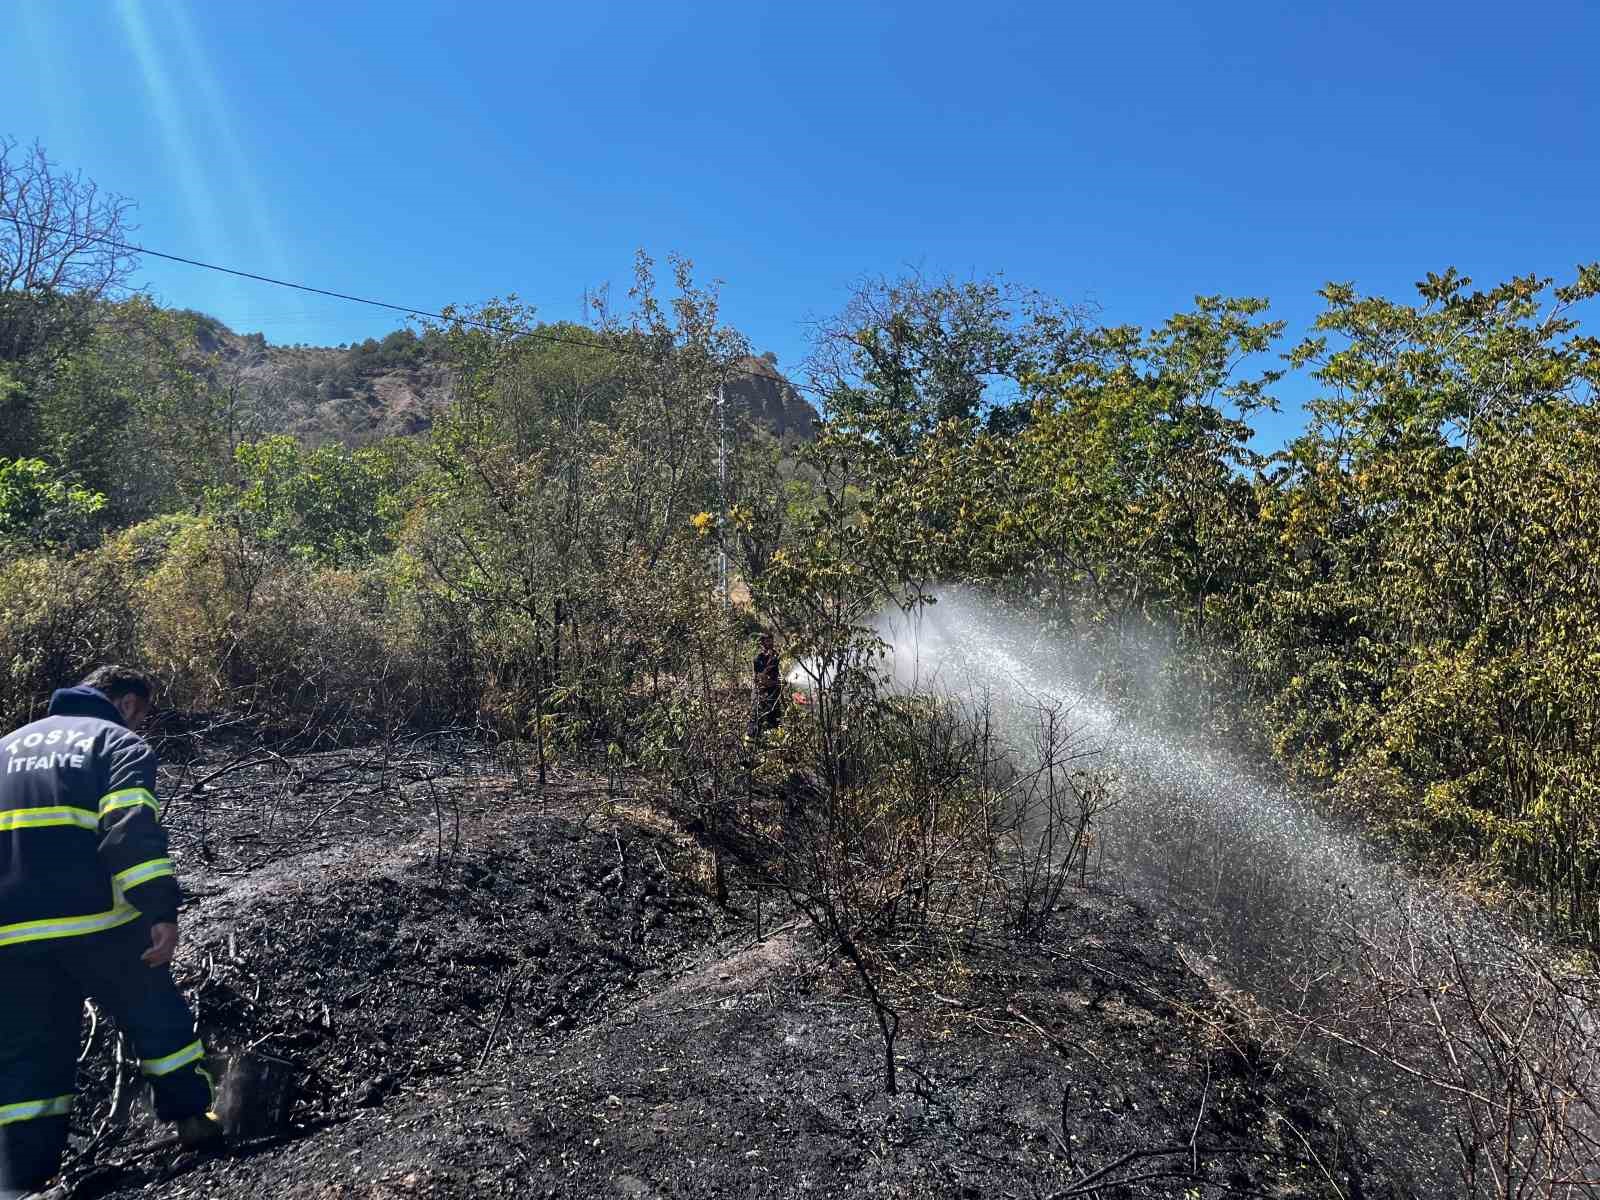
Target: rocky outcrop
x,y
772,401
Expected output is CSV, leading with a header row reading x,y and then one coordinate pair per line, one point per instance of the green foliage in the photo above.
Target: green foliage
x,y
39,508
908,354
1403,602
329,506
130,406
399,350
555,509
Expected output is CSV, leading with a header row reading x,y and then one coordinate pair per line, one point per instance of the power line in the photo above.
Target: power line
x,y
131,248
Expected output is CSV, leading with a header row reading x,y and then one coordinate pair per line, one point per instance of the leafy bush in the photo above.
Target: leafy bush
x,y
59,618
40,508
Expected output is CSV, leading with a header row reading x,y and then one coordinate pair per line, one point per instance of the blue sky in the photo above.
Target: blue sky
x,y
428,153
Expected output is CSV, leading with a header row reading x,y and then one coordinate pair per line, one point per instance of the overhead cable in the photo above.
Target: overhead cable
x,y
131,248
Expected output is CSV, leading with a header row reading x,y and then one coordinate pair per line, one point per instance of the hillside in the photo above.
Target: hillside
x,y
375,389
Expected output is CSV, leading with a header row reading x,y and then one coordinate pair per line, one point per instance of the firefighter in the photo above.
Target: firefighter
x,y
88,908
766,688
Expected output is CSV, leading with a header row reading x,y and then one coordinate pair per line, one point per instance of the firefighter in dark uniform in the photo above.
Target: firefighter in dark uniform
x,y
88,908
767,688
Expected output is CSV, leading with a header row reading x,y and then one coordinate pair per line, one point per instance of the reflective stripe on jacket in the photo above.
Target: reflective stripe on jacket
x,y
81,843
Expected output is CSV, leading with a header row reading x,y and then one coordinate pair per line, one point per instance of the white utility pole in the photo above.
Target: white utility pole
x,y
722,495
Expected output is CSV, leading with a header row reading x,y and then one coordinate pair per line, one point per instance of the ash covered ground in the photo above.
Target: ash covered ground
x,y
484,988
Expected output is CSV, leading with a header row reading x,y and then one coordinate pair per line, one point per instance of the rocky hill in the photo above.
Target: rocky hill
x,y
772,401
375,389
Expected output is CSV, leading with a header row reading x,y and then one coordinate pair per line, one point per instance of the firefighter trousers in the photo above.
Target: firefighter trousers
x,y
42,988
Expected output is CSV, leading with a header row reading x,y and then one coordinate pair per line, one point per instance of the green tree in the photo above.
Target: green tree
x,y
40,509
62,251
328,505
906,354
1437,594
560,494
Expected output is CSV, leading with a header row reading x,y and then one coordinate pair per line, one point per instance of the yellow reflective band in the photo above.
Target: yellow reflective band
x,y
41,818
193,1052
57,927
129,798
143,873
28,1110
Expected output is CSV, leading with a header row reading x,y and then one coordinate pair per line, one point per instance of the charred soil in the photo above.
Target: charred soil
x,y
482,988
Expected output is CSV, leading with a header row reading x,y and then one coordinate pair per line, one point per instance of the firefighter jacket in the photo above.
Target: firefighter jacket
x,y
81,843
768,673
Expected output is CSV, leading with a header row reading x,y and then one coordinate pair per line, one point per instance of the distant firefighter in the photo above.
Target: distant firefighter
x,y
767,689
88,908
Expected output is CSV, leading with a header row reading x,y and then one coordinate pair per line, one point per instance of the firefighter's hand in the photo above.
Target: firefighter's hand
x,y
163,944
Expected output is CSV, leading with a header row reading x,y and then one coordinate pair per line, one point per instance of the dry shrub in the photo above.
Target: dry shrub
x,y
1504,1040
192,606
916,820
430,645
59,617
232,627
930,816
1469,1057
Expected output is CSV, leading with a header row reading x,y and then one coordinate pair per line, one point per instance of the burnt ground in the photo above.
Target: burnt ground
x,y
485,989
